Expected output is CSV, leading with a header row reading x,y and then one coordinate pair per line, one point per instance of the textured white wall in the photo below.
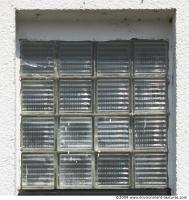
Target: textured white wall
x,y
7,98
8,75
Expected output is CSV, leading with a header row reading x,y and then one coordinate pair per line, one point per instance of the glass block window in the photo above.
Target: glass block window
x,y
94,115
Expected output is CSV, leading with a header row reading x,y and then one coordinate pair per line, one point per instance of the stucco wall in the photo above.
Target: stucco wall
x,y
9,170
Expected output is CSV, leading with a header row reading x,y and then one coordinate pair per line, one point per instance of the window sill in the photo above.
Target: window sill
x,y
108,192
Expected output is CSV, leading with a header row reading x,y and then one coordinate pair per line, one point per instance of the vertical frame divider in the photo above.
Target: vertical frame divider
x,y
94,111
131,110
56,97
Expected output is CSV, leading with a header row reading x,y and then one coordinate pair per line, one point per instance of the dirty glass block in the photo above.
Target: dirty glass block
x,y
37,95
75,169
37,170
112,169
150,57
150,95
75,95
112,94
151,170
150,132
112,132
112,58
75,59
37,58
75,132
38,132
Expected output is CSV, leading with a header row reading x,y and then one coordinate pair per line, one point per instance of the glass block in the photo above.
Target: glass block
x,y
151,57
112,94
37,170
112,132
151,170
112,169
75,95
76,59
112,58
37,58
38,132
150,95
37,95
150,132
75,169
75,132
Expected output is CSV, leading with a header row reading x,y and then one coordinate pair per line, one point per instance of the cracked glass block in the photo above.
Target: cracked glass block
x,y
75,132
112,132
75,169
38,132
37,58
150,132
112,57
76,59
112,169
37,170
112,94
150,95
150,57
37,95
151,170
75,95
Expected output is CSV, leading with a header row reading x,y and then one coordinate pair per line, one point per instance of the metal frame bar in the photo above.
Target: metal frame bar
x,y
130,114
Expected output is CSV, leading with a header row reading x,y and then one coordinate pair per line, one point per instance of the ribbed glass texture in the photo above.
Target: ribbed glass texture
x,y
75,59
150,132
151,170
37,58
150,58
150,95
75,169
37,95
112,132
38,132
75,95
37,170
75,132
100,93
112,94
112,58
112,169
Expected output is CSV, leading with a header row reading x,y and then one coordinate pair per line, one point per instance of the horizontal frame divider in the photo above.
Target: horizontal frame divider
x,y
157,150
96,114
113,76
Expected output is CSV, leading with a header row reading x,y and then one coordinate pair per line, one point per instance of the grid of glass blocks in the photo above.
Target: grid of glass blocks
x,y
94,114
